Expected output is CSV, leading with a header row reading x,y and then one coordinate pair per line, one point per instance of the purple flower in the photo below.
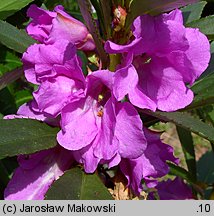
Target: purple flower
x,y
150,165
174,190
57,70
49,27
98,128
157,64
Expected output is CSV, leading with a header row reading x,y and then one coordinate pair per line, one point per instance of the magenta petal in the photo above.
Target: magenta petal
x,y
78,125
114,161
133,170
87,158
68,28
104,76
53,94
87,44
40,26
152,163
179,97
125,79
34,177
171,35
43,61
137,27
126,82
198,53
112,47
164,85
193,62
106,146
141,100
175,15
174,190
129,128
168,27
29,60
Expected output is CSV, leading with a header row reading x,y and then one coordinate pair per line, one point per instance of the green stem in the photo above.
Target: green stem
x,y
85,8
10,77
106,7
114,61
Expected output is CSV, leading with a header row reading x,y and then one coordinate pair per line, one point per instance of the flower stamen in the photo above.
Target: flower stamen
x,y
100,112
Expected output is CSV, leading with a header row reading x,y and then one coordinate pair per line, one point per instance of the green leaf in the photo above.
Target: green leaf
x,y
8,60
188,149
7,102
84,60
85,8
153,7
99,12
25,136
200,86
69,5
205,168
22,97
10,77
14,38
210,114
193,12
77,185
9,7
210,69
203,90
205,25
10,164
107,14
185,121
181,172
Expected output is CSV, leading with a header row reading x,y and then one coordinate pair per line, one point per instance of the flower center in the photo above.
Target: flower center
x,y
103,95
142,60
147,60
100,105
100,98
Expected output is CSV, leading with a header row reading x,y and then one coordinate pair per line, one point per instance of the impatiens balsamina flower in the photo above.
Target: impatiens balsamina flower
x,y
157,64
98,128
48,27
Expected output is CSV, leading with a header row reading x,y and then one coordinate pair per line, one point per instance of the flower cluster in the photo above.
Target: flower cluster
x,y
97,114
